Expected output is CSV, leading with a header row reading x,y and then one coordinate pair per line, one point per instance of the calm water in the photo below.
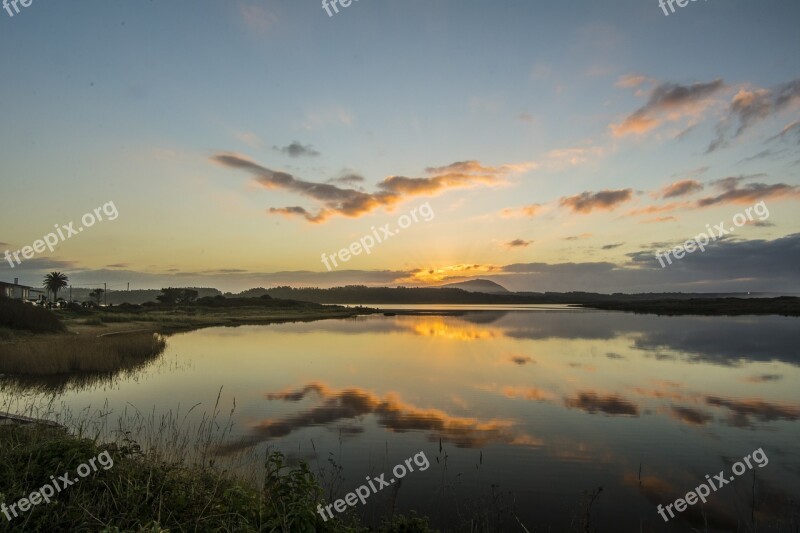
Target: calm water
x,y
533,410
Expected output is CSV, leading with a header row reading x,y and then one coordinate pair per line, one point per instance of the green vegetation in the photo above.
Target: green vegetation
x,y
172,296
670,303
142,492
784,305
16,315
204,312
54,282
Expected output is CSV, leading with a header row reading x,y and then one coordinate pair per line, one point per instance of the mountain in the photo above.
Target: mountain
x,y
477,285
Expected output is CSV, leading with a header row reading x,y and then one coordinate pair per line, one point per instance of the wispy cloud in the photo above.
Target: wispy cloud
x,y
746,411
353,203
249,138
631,81
319,118
790,129
689,415
656,220
257,18
669,102
681,188
521,360
694,173
518,243
563,158
348,179
528,211
751,106
296,149
588,201
748,194
578,237
611,404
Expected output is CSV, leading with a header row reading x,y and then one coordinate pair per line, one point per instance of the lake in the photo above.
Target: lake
x,y
522,413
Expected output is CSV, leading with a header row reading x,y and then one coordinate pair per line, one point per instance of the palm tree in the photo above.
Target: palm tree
x,y
54,282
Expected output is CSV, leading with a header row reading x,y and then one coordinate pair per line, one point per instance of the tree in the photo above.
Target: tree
x,y
97,295
177,296
54,282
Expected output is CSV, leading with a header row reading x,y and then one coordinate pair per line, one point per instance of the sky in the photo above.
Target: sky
x,y
547,146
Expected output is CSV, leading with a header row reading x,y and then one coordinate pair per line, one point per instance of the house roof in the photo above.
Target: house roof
x,y
8,284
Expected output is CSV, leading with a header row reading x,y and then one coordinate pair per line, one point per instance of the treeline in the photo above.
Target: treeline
x,y
135,296
360,294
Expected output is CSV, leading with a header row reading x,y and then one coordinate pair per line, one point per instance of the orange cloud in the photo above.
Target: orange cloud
x,y
578,237
669,102
610,404
657,220
528,393
391,413
681,188
751,106
588,201
526,211
435,275
343,201
655,209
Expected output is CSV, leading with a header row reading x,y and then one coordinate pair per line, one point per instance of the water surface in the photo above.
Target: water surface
x,y
518,411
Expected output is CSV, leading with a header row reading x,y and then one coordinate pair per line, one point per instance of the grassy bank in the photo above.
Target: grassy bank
x,y
205,313
784,305
142,492
20,321
90,343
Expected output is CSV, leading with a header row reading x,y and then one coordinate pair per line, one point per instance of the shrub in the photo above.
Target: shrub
x,y
15,314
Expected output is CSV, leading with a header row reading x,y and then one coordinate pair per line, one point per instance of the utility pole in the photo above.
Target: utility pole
x,y
105,294
129,286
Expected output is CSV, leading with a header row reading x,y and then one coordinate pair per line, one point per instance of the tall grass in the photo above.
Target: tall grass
x,y
165,478
71,355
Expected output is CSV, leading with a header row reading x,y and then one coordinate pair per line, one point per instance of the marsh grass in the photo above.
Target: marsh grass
x,y
51,356
169,474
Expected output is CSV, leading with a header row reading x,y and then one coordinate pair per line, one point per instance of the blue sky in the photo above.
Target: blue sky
x,y
137,102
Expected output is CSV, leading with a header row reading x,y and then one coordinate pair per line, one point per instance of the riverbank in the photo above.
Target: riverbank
x,y
784,306
138,491
106,340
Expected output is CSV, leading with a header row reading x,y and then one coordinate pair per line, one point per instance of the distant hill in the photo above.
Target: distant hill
x,y
478,285
360,294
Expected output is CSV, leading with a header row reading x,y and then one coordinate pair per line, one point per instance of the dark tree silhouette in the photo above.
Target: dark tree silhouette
x,y
97,295
173,296
54,282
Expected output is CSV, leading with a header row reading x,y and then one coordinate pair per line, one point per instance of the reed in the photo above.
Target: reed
x,y
51,356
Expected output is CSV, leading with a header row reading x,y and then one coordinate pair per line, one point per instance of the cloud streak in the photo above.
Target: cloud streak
x,y
681,188
353,203
295,149
669,102
751,106
391,413
588,201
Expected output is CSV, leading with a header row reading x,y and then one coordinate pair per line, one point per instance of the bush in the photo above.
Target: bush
x,y
15,314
